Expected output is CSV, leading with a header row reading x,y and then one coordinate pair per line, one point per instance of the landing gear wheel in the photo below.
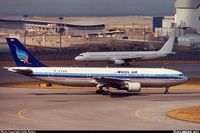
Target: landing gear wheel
x,y
167,90
98,91
109,92
128,64
106,93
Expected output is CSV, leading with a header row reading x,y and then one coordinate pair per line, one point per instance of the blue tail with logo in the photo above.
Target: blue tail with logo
x,y
22,57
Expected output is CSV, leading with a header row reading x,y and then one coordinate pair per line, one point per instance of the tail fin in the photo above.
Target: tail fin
x,y
168,46
21,55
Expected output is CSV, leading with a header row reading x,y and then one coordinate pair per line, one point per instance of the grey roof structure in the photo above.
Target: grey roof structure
x,y
76,23
187,4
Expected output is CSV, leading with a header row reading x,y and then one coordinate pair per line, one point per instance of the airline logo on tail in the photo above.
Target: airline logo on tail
x,y
22,55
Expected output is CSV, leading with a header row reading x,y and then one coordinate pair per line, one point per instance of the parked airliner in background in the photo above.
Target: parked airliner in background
x,y
130,79
124,57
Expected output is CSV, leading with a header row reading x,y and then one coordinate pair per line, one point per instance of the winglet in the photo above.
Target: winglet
x,y
22,57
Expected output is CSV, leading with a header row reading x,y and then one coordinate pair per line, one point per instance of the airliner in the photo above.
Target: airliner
x,y
129,79
124,57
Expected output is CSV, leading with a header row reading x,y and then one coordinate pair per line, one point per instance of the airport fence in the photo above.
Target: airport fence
x,y
69,56
42,56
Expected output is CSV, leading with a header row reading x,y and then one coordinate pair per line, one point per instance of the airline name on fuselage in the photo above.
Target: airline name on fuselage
x,y
126,72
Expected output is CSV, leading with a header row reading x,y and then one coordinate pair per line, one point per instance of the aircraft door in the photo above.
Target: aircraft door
x,y
89,76
51,73
107,57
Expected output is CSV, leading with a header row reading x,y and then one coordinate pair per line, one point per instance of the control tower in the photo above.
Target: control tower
x,y
188,13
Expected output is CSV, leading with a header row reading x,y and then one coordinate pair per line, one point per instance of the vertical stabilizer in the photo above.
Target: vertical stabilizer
x,y
168,46
22,57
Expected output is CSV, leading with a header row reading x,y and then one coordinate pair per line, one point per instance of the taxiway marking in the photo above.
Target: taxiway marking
x,y
154,113
21,115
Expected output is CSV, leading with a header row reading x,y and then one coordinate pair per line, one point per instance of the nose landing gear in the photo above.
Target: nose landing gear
x,y
167,90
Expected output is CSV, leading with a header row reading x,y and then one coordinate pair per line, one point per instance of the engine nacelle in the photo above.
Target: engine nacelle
x,y
119,62
133,87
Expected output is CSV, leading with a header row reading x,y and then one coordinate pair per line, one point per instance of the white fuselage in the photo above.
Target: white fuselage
x,y
86,76
128,55
120,57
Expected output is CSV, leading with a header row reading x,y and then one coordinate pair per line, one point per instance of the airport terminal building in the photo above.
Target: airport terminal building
x,y
78,28
84,28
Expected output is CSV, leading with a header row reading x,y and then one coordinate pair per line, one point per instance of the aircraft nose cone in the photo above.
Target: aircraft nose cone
x,y
186,78
78,58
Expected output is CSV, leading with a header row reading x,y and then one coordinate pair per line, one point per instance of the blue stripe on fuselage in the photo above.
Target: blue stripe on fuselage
x,y
123,76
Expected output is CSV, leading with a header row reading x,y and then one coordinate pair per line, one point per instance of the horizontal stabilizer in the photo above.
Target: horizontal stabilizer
x,y
26,72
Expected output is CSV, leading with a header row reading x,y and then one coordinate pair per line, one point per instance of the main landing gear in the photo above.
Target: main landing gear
x,y
127,64
103,92
167,90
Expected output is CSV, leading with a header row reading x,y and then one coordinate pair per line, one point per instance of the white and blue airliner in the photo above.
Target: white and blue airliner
x,y
130,79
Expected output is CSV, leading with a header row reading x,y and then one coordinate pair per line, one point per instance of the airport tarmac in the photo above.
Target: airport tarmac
x,y
61,109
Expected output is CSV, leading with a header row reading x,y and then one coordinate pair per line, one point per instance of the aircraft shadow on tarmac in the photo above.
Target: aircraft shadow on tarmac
x,y
70,93
117,94
121,94
142,94
113,94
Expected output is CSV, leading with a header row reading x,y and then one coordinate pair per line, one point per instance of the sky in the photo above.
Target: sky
x,y
87,7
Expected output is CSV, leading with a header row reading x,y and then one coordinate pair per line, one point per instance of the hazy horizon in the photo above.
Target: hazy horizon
x,y
87,7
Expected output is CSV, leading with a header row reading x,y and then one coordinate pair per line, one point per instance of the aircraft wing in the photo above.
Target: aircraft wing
x,y
129,59
112,82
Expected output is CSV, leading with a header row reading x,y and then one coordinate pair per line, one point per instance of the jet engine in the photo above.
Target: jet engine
x,y
133,86
119,62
